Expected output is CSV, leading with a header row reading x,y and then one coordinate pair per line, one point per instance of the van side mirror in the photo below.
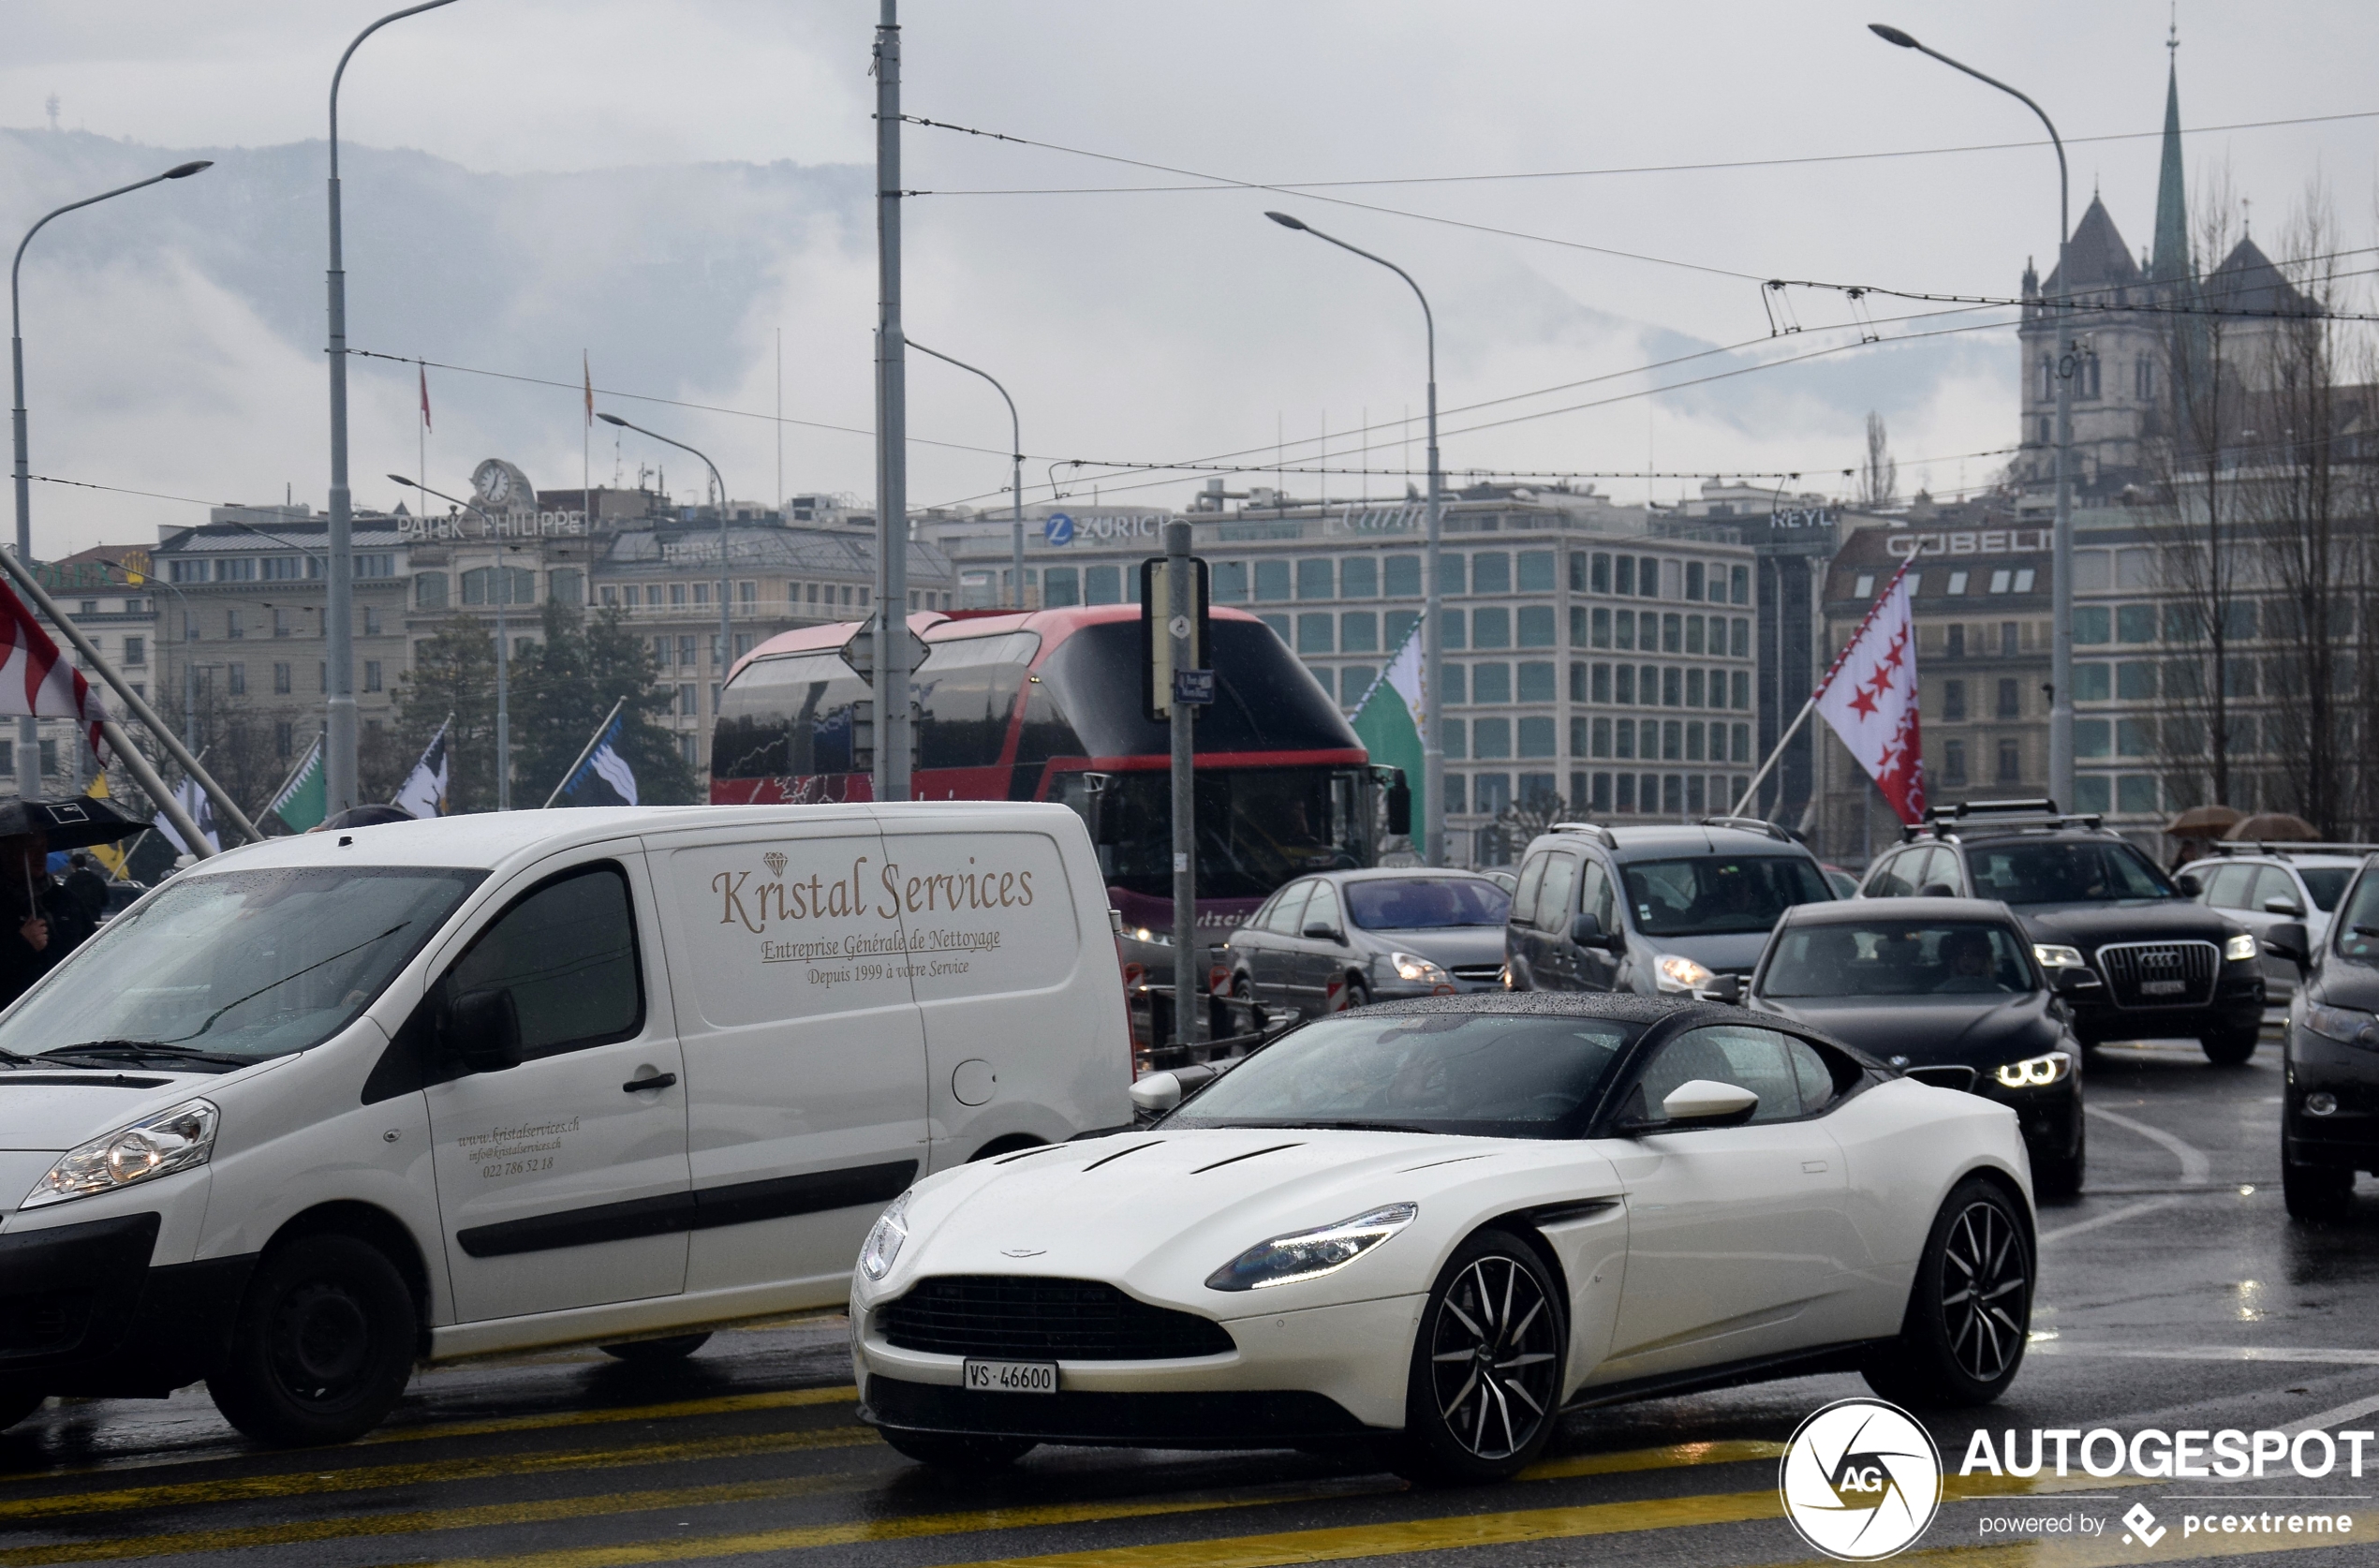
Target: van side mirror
x,y
484,1030
2189,885
2287,940
1400,806
1586,930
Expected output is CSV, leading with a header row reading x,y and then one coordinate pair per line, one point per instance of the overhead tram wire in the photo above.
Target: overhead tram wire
x,y
1305,186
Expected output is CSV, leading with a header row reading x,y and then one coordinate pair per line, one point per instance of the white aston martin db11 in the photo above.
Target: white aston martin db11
x,y
1433,1226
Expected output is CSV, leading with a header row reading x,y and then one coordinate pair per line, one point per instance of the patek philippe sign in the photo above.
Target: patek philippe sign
x,y
1968,542
505,508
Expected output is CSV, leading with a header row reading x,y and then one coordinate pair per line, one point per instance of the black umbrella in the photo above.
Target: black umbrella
x,y
69,825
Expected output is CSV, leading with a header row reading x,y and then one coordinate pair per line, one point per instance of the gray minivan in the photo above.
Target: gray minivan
x,y
1653,909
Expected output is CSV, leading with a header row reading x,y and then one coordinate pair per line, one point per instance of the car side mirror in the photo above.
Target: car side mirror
x,y
1157,1093
484,1030
1319,932
2070,980
2287,940
1937,890
1705,1102
1586,930
2284,905
1727,988
2189,885
1400,806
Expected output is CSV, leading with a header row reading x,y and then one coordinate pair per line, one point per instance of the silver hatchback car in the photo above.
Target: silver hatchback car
x,y
1345,938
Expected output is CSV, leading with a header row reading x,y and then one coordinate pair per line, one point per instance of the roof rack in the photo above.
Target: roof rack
x,y
2044,806
2283,851
1968,818
1593,830
1751,824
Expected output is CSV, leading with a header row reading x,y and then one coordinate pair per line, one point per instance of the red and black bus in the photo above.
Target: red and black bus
x,y
1045,706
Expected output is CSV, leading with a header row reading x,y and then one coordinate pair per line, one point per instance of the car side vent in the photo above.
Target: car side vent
x,y
1025,1318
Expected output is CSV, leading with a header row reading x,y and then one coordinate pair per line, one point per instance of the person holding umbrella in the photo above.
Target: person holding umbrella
x,y
39,922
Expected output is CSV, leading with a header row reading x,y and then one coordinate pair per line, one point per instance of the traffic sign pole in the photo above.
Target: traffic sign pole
x,y
1179,636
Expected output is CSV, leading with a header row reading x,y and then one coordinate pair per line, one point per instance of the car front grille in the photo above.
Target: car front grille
x,y
2159,974
1478,974
1025,1318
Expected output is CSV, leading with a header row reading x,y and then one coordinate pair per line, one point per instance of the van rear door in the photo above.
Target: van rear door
x,y
805,1055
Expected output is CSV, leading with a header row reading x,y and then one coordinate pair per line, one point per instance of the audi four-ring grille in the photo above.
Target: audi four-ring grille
x,y
1027,1319
2161,974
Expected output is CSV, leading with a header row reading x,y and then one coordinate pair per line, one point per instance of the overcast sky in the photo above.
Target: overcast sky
x,y
1158,325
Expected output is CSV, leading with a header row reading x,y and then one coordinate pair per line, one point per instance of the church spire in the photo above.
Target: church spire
x,y
2171,262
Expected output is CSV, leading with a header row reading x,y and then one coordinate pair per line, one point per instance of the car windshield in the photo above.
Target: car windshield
x,y
1713,895
2356,933
1898,958
236,965
1479,1073
2064,871
1425,903
2325,883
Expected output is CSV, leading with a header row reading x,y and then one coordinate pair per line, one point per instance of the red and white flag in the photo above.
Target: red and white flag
x,y
34,681
1869,697
425,398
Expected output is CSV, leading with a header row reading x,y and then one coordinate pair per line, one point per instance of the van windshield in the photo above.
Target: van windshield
x,y
223,970
1715,895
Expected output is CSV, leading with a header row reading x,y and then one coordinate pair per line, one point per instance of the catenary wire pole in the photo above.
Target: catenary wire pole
x,y
892,730
1015,473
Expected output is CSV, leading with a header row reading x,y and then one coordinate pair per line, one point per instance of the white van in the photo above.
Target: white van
x,y
328,1105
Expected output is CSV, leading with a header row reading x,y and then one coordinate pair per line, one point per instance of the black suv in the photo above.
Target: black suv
x,y
2166,963
2330,1118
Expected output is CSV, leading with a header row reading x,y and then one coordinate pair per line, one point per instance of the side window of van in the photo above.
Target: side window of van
x,y
1553,898
1598,897
1889,881
1524,895
567,952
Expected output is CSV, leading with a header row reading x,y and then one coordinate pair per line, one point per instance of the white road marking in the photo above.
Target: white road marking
x,y
2195,1169
2129,1211
2338,1417
2317,1356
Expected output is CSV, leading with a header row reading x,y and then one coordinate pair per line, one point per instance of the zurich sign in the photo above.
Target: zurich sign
x,y
1060,530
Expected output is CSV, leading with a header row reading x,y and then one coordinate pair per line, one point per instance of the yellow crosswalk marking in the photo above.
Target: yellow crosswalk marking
x,y
724,1404
1734,1451
237,1488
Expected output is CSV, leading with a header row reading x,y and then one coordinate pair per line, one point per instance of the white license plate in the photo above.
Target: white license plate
x,y
2163,987
1011,1377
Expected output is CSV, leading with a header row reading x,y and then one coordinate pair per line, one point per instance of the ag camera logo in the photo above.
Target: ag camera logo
x,y
1861,1480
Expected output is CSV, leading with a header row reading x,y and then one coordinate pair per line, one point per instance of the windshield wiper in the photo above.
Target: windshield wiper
x,y
1342,1126
286,977
140,1050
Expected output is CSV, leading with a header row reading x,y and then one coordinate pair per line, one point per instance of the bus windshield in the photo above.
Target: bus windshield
x,y
1257,827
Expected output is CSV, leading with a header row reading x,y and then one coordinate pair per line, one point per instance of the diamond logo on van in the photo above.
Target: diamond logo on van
x,y
775,862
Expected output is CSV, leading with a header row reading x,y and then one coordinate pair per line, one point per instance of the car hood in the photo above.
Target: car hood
x,y
53,1109
2131,919
1446,945
1157,1212
1970,1031
2342,983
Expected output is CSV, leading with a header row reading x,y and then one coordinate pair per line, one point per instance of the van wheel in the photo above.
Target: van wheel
x,y
16,1407
957,1451
323,1346
1483,1394
2312,1192
677,1347
1969,1308
2230,1047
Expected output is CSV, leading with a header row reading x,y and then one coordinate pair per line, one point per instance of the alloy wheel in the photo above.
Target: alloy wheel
x,y
1493,1358
1984,1290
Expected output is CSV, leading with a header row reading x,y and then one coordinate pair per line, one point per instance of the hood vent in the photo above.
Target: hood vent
x,y
1250,1155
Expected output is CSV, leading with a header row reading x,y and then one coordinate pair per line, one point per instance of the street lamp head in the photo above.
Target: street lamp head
x,y
1892,35
612,419
410,484
1285,221
184,170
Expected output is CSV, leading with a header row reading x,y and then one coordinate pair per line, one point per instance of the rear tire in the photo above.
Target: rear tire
x,y
1968,1310
645,1353
958,1451
323,1347
1485,1391
1356,995
2314,1192
2230,1047
17,1407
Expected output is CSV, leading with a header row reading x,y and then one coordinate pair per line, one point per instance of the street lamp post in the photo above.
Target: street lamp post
x,y
502,645
29,730
1015,472
338,621
2060,663
726,626
1432,632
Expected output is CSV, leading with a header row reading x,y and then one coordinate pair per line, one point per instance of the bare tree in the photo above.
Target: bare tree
x,y
1879,474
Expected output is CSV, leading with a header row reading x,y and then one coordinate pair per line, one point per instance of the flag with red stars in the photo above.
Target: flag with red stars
x,y
1869,697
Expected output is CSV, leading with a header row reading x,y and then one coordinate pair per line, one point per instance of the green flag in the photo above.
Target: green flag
x,y
305,800
1390,717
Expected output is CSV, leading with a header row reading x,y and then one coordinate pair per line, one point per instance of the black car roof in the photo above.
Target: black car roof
x,y
1619,1006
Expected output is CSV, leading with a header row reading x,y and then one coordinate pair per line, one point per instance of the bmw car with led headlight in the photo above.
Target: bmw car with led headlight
x,y
1431,1226
1948,990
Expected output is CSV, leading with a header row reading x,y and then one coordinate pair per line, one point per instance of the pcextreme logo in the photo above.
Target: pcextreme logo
x,y
1860,1480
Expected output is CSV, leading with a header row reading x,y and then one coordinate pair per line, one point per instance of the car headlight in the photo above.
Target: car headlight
x,y
1672,972
2240,947
877,1257
171,1140
2050,955
2347,1026
1310,1254
1413,967
2036,1071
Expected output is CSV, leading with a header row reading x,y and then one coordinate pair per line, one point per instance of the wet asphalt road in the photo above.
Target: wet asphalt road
x,y
2175,1294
